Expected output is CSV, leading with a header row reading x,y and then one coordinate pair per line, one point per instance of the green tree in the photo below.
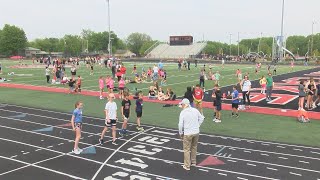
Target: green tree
x,y
12,40
73,45
135,42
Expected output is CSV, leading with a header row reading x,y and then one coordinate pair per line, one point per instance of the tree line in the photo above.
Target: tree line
x,y
298,45
13,41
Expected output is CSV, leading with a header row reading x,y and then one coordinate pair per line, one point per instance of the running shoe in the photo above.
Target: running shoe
x,y
101,141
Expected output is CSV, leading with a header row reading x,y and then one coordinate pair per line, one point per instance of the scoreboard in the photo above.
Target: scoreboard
x,y
180,40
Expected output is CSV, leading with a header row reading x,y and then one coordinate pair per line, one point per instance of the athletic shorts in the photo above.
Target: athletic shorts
x,y
113,122
126,115
214,103
139,114
235,105
78,125
218,107
73,73
197,101
91,68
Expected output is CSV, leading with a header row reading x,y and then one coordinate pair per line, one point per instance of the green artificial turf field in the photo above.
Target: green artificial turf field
x,y
177,80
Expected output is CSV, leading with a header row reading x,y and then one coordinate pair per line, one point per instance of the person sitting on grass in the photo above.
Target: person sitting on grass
x,y
152,93
64,80
170,96
161,95
138,79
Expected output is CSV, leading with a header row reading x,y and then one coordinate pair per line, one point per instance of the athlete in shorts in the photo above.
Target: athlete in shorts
x,y
125,111
235,102
111,119
197,98
76,122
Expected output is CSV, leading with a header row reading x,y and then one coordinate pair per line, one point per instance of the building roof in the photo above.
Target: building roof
x,y
31,49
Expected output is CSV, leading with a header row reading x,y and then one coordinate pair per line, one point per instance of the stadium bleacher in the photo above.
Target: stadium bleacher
x,y
183,51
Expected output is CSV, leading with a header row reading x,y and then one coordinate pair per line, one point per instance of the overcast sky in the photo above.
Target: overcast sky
x,y
211,19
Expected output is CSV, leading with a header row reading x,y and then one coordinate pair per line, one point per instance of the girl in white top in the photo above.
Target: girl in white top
x,y
111,119
246,87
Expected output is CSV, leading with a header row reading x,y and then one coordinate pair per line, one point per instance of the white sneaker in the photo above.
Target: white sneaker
x,y
76,151
101,97
218,121
80,150
318,104
214,120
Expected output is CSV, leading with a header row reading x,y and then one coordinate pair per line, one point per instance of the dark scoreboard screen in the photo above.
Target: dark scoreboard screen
x,y
180,40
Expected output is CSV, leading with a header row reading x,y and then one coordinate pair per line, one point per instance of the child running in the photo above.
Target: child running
x,y
101,86
139,106
111,119
76,122
125,111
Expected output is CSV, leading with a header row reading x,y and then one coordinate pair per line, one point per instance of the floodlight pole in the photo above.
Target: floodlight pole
x,y
230,43
282,38
109,23
238,44
311,46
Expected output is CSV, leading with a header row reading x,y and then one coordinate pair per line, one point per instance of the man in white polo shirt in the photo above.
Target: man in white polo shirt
x,y
189,128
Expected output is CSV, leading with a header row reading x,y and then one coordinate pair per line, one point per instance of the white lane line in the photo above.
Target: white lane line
x,y
14,156
60,144
314,152
222,174
273,169
264,144
204,170
264,154
247,151
68,154
106,161
90,135
251,164
40,167
295,174
304,162
165,137
281,147
38,149
251,142
49,146
282,158
297,149
231,160
125,152
242,178
218,152
163,132
26,153
233,149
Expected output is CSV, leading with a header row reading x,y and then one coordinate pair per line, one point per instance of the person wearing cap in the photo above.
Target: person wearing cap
x,y
190,121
